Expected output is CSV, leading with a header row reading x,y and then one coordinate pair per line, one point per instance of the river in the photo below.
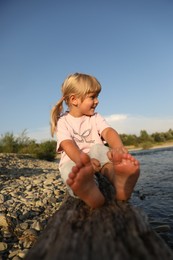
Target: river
x,y
154,190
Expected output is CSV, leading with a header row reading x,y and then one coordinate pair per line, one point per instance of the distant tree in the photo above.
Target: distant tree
x,y
30,148
144,137
8,143
46,151
169,135
24,141
158,137
129,139
147,145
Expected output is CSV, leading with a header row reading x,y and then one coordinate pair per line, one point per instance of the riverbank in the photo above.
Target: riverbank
x,y
155,146
31,192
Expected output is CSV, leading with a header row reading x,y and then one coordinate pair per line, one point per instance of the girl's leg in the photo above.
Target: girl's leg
x,y
123,173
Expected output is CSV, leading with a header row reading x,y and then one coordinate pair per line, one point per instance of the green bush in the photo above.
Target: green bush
x,y
146,145
30,148
46,151
129,139
8,143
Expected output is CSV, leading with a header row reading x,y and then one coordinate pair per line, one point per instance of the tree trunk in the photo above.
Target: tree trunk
x,y
115,231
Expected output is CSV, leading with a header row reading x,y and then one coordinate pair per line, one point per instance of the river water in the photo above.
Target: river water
x,y
154,190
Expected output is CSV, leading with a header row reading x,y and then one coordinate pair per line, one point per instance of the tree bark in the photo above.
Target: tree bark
x,y
116,231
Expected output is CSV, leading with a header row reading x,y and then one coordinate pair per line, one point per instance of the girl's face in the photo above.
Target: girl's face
x,y
88,105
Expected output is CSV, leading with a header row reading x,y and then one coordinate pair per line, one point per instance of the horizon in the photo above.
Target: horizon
x,y
25,134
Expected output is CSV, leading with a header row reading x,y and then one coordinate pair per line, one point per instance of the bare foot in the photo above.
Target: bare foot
x,y
123,174
81,181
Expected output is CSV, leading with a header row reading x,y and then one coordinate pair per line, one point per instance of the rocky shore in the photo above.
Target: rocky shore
x,y
31,191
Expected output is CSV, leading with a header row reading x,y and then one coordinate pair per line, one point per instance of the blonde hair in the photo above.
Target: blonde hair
x,y
78,84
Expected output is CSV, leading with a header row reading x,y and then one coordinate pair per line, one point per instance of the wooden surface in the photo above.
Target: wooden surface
x,y
115,231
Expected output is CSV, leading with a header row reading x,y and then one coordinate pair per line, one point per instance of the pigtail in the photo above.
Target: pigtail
x,y
55,115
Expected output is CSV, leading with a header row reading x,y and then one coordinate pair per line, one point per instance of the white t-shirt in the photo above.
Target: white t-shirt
x,y
85,131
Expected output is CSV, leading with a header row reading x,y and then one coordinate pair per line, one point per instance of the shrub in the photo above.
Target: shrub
x,y
30,148
146,145
46,151
8,143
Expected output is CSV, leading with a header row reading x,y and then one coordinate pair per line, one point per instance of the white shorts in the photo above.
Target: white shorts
x,y
97,151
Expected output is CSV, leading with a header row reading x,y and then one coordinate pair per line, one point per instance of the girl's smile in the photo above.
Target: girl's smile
x,y
87,106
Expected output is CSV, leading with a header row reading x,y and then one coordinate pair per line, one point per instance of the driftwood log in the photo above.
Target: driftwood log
x,y
116,231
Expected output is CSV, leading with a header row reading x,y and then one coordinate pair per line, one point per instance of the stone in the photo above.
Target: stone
x,y
3,246
27,201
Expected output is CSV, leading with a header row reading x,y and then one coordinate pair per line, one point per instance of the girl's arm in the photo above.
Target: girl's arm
x,y
71,150
112,138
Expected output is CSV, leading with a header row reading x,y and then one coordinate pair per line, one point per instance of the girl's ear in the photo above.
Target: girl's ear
x,y
74,100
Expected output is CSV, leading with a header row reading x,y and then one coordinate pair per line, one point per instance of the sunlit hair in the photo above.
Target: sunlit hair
x,y
78,84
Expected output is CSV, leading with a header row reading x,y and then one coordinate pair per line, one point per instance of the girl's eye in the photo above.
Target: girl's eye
x,y
93,97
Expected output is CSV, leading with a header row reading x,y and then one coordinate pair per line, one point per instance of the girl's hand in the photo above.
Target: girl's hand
x,y
118,151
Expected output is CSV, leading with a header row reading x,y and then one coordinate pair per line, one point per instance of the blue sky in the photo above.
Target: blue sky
x,y
126,45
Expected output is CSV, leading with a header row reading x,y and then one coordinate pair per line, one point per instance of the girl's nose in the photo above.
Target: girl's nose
x,y
96,101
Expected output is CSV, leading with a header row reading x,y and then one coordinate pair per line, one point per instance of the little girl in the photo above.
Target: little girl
x,y
81,134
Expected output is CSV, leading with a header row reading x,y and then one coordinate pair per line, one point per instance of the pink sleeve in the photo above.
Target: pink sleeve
x,y
101,123
62,133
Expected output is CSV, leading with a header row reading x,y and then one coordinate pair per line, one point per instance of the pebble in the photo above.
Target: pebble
x,y
31,192
3,246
